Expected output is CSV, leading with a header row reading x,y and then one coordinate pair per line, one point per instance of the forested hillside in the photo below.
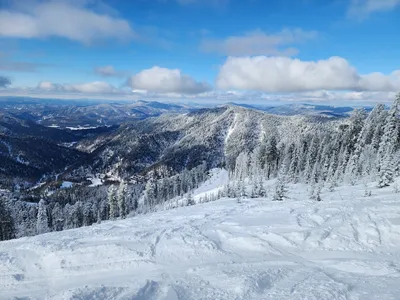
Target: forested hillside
x,y
154,163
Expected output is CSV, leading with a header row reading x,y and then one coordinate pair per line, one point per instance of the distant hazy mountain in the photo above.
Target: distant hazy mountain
x,y
27,159
304,109
29,150
171,143
37,139
87,114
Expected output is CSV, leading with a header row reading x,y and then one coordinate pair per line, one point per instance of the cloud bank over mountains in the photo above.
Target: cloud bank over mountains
x,y
96,87
163,80
287,75
250,78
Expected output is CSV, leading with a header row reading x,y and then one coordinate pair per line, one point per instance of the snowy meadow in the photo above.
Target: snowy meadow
x,y
346,246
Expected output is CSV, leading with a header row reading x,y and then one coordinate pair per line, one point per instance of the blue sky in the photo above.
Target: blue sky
x,y
244,50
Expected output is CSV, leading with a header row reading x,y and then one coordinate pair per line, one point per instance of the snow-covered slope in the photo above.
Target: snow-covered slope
x,y
218,178
345,247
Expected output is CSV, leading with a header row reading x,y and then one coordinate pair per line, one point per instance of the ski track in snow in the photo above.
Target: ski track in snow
x,y
258,249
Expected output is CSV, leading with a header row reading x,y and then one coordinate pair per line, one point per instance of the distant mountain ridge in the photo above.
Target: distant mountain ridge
x,y
303,109
173,142
65,113
147,136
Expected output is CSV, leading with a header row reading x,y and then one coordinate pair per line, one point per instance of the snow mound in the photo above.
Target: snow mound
x,y
345,247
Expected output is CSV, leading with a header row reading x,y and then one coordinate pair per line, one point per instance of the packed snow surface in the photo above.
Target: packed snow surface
x,y
345,247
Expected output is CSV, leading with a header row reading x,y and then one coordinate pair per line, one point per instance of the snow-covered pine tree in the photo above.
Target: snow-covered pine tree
x,y
288,154
77,214
343,158
190,200
121,198
311,158
242,166
315,174
233,189
388,145
317,194
255,168
377,136
354,141
112,202
254,190
312,190
396,188
333,160
88,218
7,230
262,191
292,172
376,117
241,189
396,163
42,223
367,162
230,190
104,210
390,138
150,193
57,217
302,149
271,155
386,172
208,197
280,188
355,127
332,183
135,203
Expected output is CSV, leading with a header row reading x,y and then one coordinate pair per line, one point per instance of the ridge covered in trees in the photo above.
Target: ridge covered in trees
x,y
323,154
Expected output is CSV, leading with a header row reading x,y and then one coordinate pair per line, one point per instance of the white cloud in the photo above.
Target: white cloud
x,y
102,91
282,74
151,83
62,19
259,43
48,86
162,80
96,87
362,8
108,71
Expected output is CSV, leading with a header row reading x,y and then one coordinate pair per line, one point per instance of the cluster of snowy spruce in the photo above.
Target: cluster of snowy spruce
x,y
252,146
365,148
83,205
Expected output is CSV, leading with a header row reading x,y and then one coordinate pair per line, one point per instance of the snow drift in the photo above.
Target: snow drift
x,y
345,247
